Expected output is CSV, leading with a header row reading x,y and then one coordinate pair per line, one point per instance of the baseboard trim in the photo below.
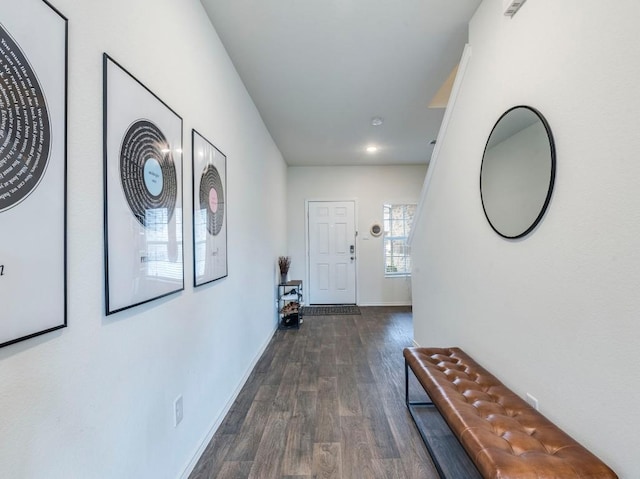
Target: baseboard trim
x,y
216,423
390,303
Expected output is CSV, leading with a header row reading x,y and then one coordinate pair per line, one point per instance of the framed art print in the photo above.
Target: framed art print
x,y
143,192
33,150
209,211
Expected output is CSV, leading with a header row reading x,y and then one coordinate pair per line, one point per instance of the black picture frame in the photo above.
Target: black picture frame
x,y
143,194
209,182
34,47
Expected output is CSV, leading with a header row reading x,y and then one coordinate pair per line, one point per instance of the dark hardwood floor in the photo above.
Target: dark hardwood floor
x,y
324,401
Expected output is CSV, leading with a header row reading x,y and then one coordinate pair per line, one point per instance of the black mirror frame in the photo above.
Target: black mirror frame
x,y
552,148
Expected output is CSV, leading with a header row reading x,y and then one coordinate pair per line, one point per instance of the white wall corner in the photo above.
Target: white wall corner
x,y
457,84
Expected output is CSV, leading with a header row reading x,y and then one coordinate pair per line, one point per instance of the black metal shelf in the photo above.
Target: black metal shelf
x,y
290,303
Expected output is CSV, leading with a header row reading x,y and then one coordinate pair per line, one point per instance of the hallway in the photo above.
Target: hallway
x,y
326,401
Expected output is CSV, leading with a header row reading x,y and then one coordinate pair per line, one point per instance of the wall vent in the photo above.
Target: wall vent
x,y
512,6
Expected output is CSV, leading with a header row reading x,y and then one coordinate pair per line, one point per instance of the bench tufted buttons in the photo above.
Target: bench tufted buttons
x,y
503,435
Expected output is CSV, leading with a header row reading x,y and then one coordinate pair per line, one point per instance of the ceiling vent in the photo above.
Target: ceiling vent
x,y
512,6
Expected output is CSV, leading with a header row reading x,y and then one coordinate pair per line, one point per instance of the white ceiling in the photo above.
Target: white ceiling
x,y
319,70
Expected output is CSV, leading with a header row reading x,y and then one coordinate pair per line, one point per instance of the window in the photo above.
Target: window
x,y
200,239
163,254
398,220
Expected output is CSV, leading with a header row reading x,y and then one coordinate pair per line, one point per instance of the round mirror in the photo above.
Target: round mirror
x,y
517,173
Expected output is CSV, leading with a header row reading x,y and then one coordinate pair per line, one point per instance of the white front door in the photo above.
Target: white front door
x,y
332,255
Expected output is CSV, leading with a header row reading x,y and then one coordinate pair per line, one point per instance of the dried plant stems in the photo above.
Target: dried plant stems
x,y
284,262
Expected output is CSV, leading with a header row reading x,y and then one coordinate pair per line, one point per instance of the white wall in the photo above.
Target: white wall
x,y
371,187
555,314
95,399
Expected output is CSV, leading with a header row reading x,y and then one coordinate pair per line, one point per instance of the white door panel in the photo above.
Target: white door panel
x,y
332,259
322,277
322,235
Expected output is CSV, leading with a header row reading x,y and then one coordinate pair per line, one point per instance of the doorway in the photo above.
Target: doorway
x,y
331,250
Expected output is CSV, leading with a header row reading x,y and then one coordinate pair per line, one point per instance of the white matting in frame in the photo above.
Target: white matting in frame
x,y
209,211
143,192
33,124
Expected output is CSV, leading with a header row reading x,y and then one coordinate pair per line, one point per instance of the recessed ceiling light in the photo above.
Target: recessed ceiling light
x,y
376,121
372,149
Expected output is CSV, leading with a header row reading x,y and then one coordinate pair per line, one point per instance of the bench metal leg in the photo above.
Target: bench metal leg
x,y
406,389
412,413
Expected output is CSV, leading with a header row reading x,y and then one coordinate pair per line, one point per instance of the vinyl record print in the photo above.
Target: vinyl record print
x,y
33,169
209,211
212,199
144,254
147,171
25,131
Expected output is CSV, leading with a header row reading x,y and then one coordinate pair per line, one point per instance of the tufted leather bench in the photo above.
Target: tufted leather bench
x,y
502,434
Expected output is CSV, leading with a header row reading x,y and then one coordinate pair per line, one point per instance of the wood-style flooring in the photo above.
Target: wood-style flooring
x,y
325,401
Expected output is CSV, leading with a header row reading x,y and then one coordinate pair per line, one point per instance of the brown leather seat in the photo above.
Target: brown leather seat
x,y
503,435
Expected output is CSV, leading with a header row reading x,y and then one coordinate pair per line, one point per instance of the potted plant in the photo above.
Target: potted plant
x,y
283,263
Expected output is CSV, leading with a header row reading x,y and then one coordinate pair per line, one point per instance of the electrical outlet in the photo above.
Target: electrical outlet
x,y
533,401
178,411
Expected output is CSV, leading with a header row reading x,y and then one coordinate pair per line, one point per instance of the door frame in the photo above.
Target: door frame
x,y
307,276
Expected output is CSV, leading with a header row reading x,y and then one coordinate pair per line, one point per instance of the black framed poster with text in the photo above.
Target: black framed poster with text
x,y
33,149
143,192
209,211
